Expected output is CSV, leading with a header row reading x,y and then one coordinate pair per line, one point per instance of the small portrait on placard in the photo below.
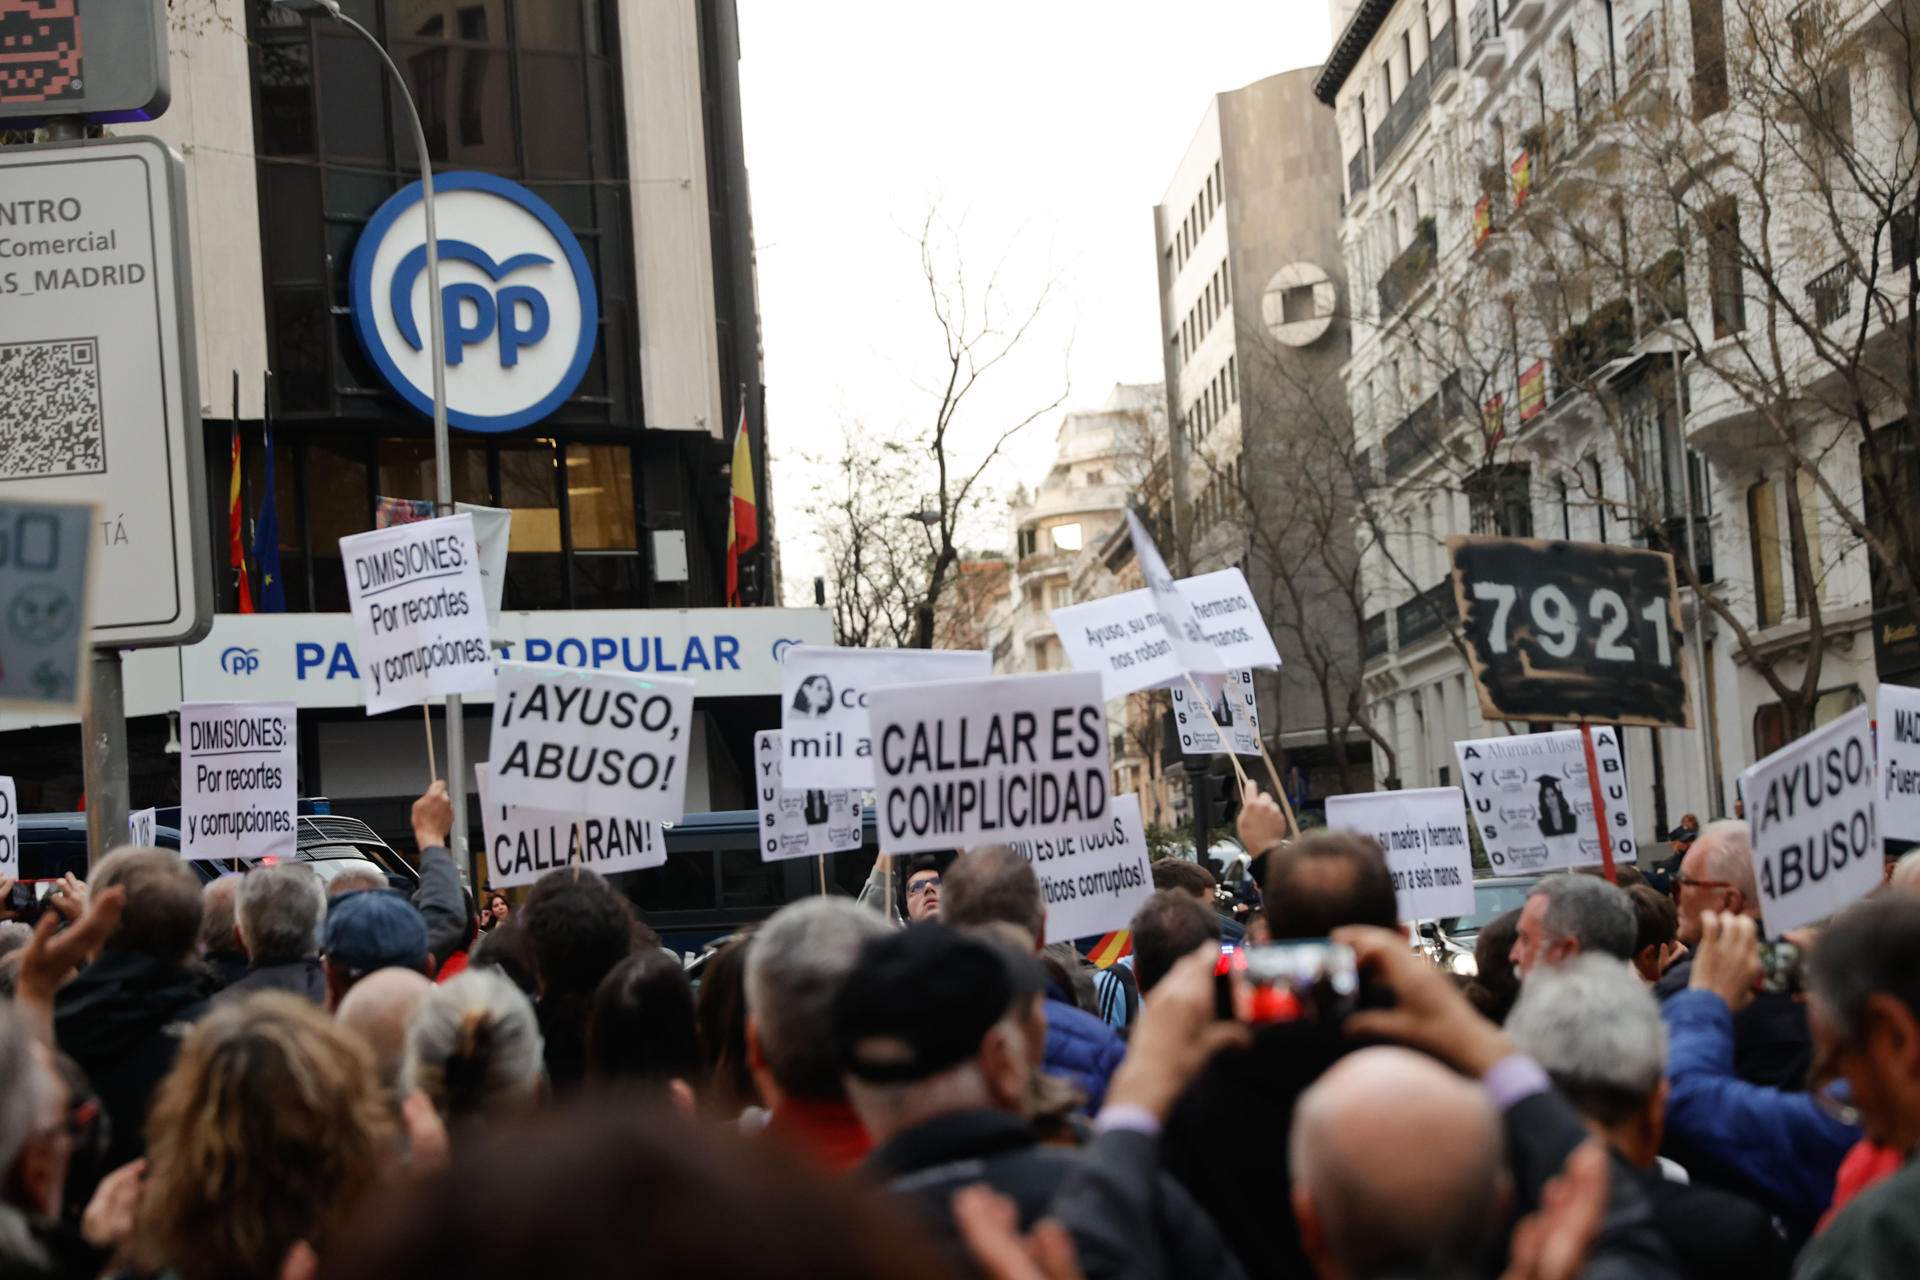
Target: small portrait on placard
x,y
815,809
814,697
1556,815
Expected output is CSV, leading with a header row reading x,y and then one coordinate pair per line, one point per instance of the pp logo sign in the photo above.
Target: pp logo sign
x,y
517,302
238,661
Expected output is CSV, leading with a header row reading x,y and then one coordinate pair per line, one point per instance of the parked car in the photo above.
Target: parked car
x,y
1450,941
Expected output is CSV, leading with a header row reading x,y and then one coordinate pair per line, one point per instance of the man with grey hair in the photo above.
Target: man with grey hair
x,y
1567,915
278,918
1771,1043
1397,1168
220,951
1596,1030
34,1152
798,962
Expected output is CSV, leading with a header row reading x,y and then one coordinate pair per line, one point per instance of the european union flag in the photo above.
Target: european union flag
x,y
266,541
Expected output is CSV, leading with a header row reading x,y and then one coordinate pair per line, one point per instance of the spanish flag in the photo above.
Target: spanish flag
x,y
743,518
1111,948
236,536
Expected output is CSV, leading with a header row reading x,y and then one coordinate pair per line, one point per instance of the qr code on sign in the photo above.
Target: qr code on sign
x,y
50,421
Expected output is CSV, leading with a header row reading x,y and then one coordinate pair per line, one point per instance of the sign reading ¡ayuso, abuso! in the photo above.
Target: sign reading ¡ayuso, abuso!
x,y
1092,880
967,762
1569,631
1424,835
591,742
1533,804
420,610
519,300
824,697
524,844
238,783
803,823
1810,805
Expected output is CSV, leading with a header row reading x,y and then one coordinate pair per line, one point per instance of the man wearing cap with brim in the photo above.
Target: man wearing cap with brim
x,y
369,930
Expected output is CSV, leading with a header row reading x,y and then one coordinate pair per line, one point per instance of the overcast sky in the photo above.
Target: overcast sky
x,y
1046,130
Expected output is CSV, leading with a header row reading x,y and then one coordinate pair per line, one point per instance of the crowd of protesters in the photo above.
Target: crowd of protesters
x,y
275,1077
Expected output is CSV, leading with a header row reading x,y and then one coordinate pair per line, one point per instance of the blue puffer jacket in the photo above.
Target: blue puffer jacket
x,y
1082,1048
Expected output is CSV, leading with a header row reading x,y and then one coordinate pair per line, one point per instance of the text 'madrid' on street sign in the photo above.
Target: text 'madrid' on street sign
x,y
1570,631
517,298
45,549
104,60
98,394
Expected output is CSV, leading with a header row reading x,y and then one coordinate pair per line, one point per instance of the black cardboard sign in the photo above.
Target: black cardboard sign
x,y
1571,631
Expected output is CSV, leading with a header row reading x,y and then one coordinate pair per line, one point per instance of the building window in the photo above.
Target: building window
x,y
1724,269
1763,536
600,497
1067,537
1709,58
1499,501
1806,586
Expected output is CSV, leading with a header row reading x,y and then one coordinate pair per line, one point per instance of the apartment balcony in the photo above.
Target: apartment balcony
x,y
1421,432
1581,354
1645,60
1903,235
1670,535
1358,173
1403,116
1524,15
1486,41
1375,640
1443,56
1831,294
1427,614
1409,271
1661,298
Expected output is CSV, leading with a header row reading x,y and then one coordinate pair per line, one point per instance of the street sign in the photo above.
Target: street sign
x,y
521,311
1573,631
44,549
98,395
104,61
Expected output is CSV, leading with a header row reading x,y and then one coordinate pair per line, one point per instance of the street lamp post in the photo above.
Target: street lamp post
x,y
437,353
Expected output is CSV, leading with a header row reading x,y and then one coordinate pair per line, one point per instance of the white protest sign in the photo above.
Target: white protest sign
x,y
524,844
1424,835
799,824
44,572
591,743
1532,802
491,527
1810,805
1237,710
823,700
141,825
1120,637
238,789
9,830
1223,603
419,611
1190,644
1897,807
966,762
1092,880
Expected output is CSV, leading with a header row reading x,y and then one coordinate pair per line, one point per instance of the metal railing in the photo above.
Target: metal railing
x,y
1425,614
1375,641
1443,52
1403,114
1903,234
1483,25
1831,293
1409,269
1670,535
1643,51
1358,174
1420,432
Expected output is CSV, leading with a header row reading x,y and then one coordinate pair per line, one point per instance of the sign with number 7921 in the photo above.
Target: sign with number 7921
x,y
1570,631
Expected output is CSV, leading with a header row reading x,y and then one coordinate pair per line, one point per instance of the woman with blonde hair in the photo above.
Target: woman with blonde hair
x,y
268,1135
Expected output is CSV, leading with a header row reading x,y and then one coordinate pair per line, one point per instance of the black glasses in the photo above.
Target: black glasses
x,y
919,887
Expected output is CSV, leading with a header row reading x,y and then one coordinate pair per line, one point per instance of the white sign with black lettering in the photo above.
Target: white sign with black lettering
x,y
1122,638
823,701
591,743
1092,880
1816,846
1533,805
1223,603
966,762
9,830
1897,807
1190,643
524,844
1424,835
238,783
419,611
141,827
1237,710
799,824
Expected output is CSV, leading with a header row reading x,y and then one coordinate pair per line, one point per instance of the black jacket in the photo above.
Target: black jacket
x,y
122,1019
1542,1131
931,1161
221,969
1130,1220
1713,1235
1771,1043
302,977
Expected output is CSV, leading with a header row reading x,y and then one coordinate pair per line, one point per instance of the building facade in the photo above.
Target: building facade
x,y
1594,300
622,116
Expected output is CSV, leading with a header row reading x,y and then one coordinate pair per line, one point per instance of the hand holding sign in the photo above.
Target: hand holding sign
x,y
591,743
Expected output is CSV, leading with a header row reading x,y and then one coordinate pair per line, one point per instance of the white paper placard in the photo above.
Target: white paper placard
x,y
591,743
1237,710
1224,605
1190,644
966,762
1533,805
1424,835
1122,639
1092,881
419,611
141,827
1816,845
799,824
9,830
1897,792
492,527
524,844
239,789
823,705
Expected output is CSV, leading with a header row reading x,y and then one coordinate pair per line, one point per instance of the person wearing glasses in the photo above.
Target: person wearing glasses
x,y
923,889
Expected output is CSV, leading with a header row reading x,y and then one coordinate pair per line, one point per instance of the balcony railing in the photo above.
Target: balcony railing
x,y
1425,614
1483,25
1671,536
1357,171
1903,234
1420,432
1831,293
1375,642
1409,270
1663,289
1443,53
1403,114
1606,334
1643,51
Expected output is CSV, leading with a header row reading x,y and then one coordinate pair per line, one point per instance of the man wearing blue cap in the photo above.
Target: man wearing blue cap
x,y
368,930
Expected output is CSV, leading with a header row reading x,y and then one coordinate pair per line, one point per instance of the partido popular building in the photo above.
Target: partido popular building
x,y
605,247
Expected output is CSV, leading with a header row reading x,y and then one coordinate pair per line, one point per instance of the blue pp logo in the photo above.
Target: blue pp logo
x,y
517,301
236,661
